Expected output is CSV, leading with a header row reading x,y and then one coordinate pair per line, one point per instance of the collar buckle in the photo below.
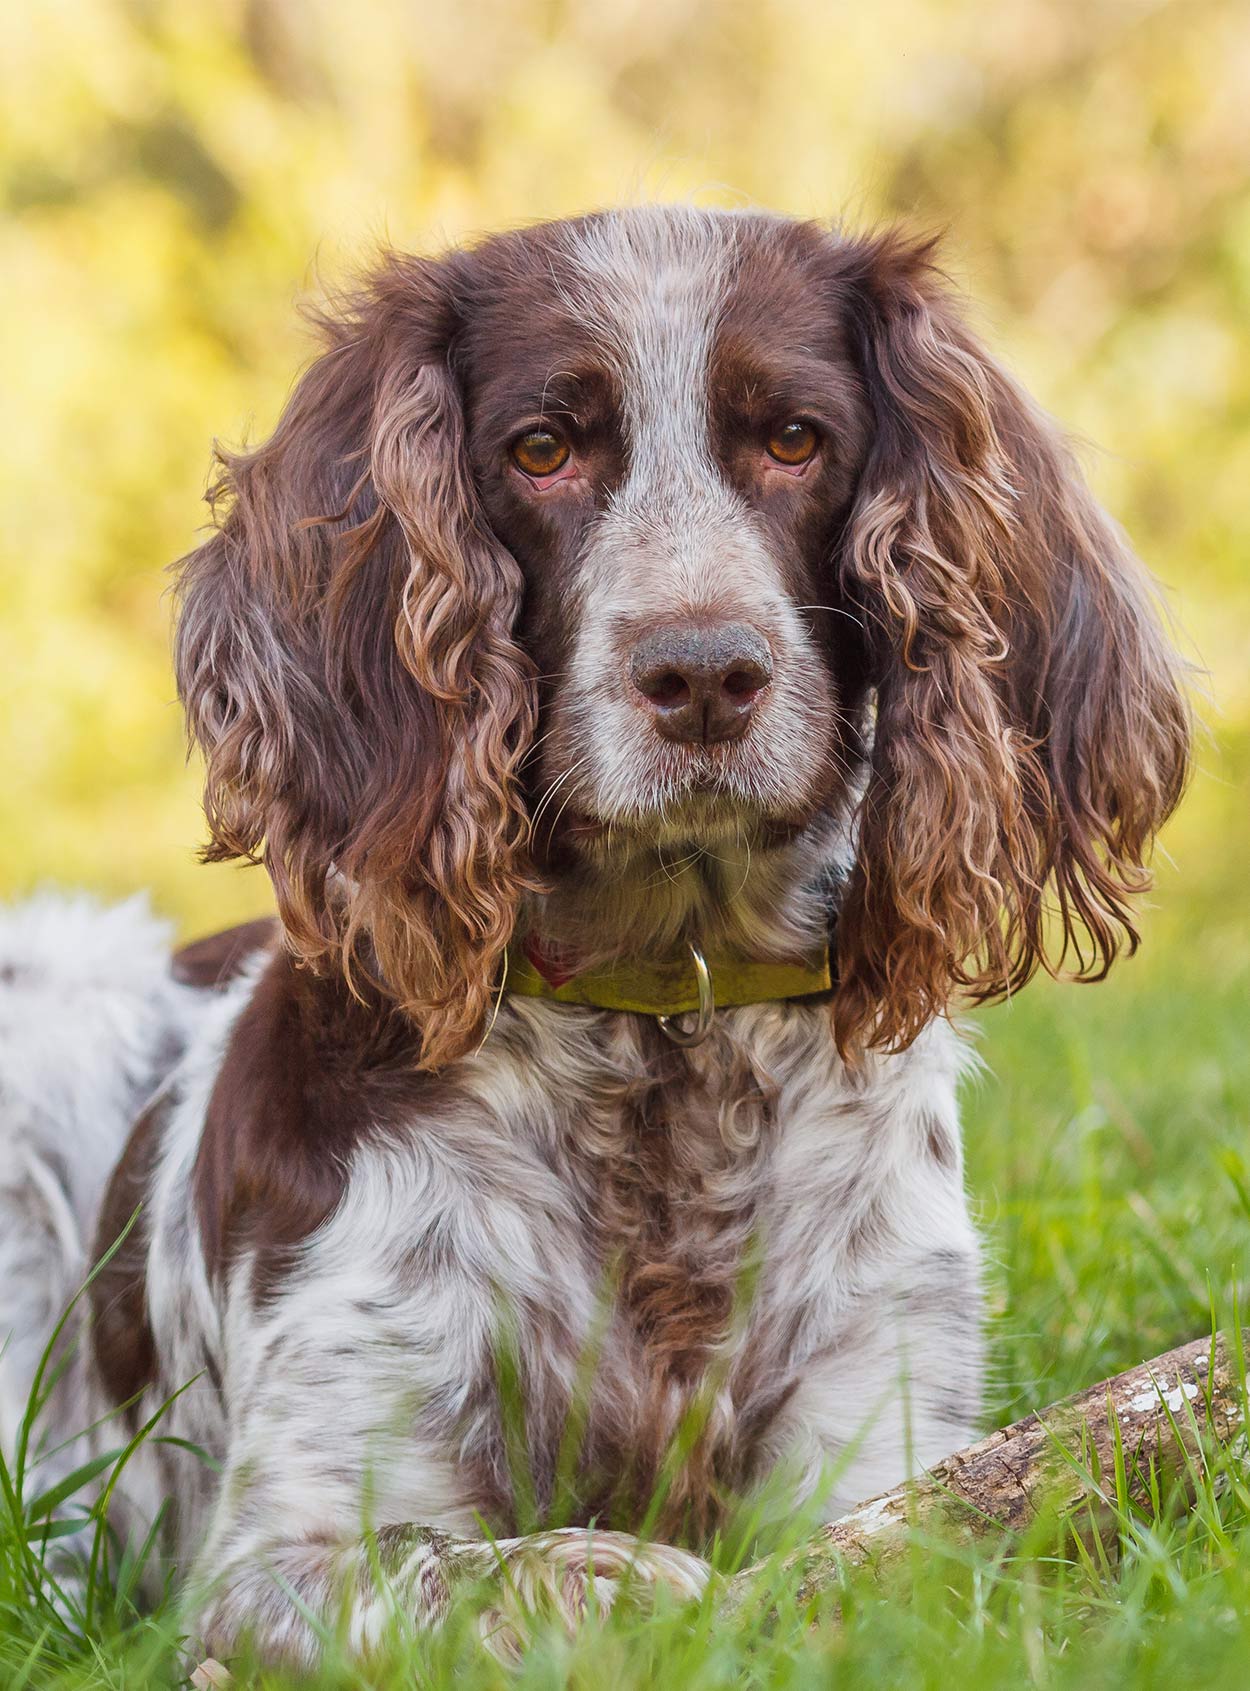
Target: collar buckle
x,y
687,1037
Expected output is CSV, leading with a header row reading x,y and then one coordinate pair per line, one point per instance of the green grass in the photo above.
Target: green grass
x,y
1110,1164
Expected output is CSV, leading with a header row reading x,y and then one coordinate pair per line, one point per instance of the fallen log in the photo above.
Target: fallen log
x,y
1057,1464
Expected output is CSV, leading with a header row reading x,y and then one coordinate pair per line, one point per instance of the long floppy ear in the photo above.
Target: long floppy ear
x,y
1031,733
345,656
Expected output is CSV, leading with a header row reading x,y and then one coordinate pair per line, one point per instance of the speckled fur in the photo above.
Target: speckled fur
x,y
363,1390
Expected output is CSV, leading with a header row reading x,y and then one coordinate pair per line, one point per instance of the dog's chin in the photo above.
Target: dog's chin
x,y
745,796
706,819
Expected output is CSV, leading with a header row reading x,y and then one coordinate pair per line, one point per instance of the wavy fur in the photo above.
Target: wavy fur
x,y
346,659
1031,732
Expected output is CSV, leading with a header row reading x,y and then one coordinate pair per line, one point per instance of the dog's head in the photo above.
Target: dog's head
x,y
668,525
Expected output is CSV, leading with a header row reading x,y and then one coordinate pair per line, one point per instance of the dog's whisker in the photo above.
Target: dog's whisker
x,y
834,610
555,786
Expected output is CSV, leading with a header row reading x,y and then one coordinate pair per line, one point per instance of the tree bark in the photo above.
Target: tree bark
x,y
1058,1464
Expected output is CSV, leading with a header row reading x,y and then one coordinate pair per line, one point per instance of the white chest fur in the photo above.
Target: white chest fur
x,y
750,1246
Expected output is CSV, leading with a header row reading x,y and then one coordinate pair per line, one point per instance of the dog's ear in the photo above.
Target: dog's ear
x,y
1031,732
345,656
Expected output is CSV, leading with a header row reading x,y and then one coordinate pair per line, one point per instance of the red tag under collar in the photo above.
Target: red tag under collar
x,y
555,963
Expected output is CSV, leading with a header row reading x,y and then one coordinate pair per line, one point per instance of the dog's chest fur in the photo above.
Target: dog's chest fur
x,y
534,1281
664,1159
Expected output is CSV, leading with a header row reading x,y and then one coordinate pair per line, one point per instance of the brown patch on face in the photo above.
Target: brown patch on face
x,y
309,1072
525,359
781,354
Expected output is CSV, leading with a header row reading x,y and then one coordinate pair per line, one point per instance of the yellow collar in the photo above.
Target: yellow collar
x,y
669,988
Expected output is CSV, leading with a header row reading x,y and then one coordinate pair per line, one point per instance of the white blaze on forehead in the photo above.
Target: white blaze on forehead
x,y
675,539
651,283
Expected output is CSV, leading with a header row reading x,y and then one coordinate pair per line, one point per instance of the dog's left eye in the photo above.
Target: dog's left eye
x,y
540,452
793,443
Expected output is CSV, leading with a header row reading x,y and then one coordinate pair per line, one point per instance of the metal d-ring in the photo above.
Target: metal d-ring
x,y
703,1015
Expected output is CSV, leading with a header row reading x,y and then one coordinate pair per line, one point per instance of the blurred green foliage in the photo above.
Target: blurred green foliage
x,y
177,172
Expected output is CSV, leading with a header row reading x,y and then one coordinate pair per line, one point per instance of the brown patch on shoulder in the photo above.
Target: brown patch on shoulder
x,y
309,1072
122,1345
216,960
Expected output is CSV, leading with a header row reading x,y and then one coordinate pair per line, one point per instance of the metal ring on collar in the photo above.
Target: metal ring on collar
x,y
703,1015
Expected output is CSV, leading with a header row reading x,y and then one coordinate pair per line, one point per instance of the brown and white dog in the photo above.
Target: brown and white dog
x,y
656,579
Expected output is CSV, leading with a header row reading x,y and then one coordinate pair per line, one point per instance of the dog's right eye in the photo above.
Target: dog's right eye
x,y
539,452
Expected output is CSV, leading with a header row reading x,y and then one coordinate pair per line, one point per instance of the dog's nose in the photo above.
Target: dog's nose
x,y
701,682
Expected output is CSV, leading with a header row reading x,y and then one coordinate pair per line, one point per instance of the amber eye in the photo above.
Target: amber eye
x,y
792,443
540,453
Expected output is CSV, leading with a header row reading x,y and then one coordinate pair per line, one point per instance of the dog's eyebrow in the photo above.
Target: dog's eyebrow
x,y
582,394
750,387
567,384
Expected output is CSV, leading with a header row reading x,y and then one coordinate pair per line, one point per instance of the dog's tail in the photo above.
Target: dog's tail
x,y
88,1027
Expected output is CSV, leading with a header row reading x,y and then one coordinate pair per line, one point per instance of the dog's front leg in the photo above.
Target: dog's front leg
x,y
285,1599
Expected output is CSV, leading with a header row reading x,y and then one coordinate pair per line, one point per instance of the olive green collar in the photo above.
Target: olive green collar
x,y
673,987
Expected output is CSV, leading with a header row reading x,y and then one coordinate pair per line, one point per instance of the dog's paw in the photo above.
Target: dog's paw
x,y
574,1571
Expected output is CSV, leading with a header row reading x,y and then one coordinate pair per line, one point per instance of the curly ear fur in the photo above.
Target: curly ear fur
x,y
1031,732
345,656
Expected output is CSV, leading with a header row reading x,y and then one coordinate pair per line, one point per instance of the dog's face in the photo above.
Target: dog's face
x,y
668,526
667,428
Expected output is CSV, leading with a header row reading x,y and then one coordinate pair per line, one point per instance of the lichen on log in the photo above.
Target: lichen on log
x,y
1057,1464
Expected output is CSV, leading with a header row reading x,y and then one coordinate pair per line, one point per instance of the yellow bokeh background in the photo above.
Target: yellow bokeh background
x,y
178,173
